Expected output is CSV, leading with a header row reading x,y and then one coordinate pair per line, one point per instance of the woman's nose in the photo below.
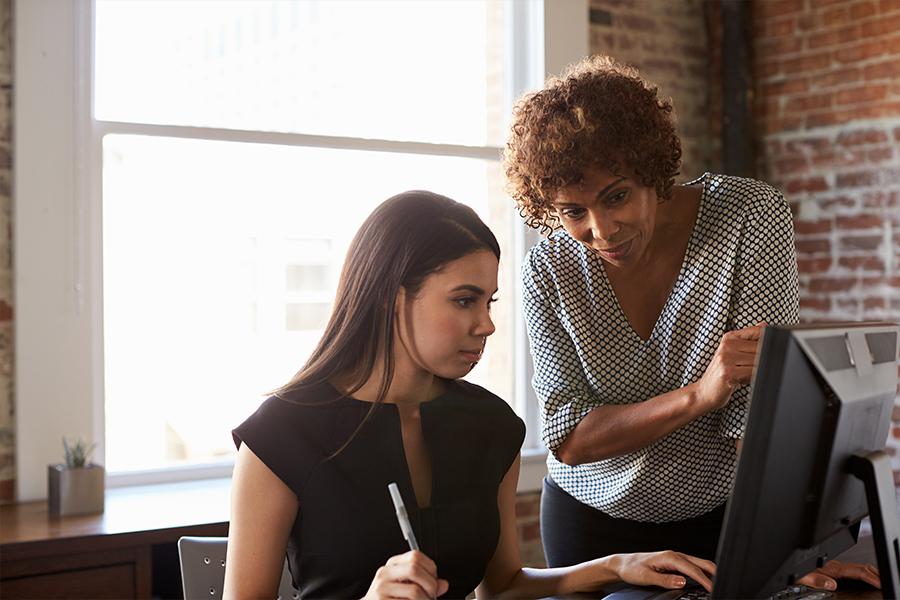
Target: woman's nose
x,y
602,227
485,325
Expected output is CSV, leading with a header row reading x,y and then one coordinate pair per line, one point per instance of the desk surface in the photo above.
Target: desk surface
x,y
147,511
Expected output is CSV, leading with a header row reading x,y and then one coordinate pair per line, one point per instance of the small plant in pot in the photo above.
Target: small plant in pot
x,y
76,487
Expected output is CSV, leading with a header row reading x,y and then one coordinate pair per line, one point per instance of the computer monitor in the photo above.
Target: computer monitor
x,y
820,411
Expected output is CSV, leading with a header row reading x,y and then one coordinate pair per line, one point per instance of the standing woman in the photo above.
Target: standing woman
x,y
380,401
644,308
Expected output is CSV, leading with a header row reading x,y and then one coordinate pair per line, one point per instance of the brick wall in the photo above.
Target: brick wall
x,y
827,116
7,432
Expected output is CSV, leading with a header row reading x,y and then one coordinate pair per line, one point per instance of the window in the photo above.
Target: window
x,y
215,164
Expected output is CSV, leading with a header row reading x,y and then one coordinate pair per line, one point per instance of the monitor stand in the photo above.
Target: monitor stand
x,y
875,472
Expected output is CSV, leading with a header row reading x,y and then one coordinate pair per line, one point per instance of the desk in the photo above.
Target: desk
x,y
118,554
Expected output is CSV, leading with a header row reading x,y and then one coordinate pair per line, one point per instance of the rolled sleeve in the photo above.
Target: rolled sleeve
x,y
559,381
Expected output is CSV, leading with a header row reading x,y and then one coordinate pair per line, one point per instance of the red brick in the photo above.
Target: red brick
x,y
840,158
809,62
861,263
861,242
811,227
830,284
813,265
887,69
809,103
808,21
874,303
834,16
860,52
835,37
811,184
856,179
530,531
528,506
835,77
791,85
763,70
884,25
807,247
880,199
863,221
778,46
820,304
862,136
831,118
777,8
637,23
848,304
867,93
862,10
887,6
812,144
880,154
792,164
836,203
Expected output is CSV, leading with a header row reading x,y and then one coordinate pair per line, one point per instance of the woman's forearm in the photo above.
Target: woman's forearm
x,y
542,583
613,430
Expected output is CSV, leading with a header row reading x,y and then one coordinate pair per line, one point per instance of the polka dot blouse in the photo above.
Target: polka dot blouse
x,y
739,269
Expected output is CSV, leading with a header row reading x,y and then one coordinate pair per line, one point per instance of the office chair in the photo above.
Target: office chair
x,y
203,569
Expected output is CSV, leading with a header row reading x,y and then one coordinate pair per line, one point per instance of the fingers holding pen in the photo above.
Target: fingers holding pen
x,y
410,575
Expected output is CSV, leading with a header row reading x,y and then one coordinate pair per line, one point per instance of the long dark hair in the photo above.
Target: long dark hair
x,y
406,238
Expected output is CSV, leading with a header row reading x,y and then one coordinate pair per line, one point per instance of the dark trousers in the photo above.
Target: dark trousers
x,y
573,532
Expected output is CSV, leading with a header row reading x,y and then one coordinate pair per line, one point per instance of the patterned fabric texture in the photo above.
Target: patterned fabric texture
x,y
739,269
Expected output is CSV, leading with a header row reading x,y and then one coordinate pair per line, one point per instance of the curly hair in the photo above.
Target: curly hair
x,y
598,113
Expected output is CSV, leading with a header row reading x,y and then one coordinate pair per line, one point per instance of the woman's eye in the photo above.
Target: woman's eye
x,y
617,198
572,213
465,302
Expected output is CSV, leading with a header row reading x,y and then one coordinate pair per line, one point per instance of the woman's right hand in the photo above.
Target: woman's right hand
x,y
411,575
730,367
666,569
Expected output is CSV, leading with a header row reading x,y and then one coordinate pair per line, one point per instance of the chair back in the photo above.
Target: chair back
x,y
203,569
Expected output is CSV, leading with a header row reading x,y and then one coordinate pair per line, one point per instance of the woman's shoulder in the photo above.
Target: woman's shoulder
x,y
553,248
743,194
751,192
472,399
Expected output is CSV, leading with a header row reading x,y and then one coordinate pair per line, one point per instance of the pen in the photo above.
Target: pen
x,y
402,517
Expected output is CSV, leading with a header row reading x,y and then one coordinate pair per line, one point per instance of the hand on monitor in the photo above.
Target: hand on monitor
x,y
826,577
730,367
666,569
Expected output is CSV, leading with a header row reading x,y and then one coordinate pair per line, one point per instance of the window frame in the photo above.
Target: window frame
x,y
57,226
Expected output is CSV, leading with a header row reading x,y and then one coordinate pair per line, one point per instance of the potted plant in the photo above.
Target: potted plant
x,y
76,487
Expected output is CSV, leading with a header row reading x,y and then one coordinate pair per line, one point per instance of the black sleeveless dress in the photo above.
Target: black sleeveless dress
x,y
346,527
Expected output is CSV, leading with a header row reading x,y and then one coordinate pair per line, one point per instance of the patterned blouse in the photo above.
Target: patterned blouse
x,y
740,269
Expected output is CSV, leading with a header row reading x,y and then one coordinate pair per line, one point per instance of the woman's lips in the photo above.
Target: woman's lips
x,y
616,252
472,356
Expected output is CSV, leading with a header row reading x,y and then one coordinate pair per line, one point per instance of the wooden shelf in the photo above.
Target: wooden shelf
x,y
109,555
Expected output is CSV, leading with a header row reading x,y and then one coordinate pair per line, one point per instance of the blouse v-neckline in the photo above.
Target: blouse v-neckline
x,y
407,488
685,262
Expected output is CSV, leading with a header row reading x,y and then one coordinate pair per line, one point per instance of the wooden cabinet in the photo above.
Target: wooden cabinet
x,y
118,554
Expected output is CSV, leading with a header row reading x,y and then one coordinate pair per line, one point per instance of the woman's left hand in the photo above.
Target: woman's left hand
x,y
666,569
826,577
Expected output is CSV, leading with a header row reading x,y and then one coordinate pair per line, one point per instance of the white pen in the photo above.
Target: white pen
x,y
402,517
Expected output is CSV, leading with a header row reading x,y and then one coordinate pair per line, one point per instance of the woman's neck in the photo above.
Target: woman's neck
x,y
409,386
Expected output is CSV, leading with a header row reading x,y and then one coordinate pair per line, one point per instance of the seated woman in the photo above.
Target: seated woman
x,y
380,400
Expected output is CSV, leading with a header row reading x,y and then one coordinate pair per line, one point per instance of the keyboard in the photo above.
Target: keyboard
x,y
794,592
